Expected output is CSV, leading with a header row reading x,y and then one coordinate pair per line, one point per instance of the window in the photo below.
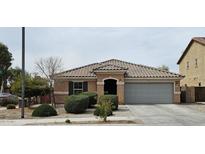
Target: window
x,y
77,87
187,65
196,63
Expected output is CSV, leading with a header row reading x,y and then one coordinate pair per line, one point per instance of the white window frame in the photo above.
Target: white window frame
x,y
74,89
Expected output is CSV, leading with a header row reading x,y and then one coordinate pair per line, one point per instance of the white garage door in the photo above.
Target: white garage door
x,y
149,93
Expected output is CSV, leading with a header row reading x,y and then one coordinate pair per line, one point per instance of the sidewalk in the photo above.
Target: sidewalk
x,y
61,121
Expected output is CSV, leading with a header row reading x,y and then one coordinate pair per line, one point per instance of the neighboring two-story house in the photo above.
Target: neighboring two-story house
x,y
192,67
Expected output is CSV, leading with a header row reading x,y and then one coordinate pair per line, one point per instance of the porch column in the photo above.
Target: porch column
x,y
120,92
100,88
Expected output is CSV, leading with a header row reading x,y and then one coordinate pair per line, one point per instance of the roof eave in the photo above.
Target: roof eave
x,y
187,48
75,77
159,78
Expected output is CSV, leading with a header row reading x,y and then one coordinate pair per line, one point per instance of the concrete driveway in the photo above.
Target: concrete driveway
x,y
169,114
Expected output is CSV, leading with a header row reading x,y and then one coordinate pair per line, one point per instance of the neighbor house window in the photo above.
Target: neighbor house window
x,y
196,63
77,87
187,65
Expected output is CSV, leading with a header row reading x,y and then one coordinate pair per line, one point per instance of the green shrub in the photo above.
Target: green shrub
x,y
92,98
98,110
113,99
11,106
67,121
44,110
103,110
76,103
9,100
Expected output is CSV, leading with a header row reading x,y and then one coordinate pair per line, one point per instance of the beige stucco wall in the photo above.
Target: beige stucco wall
x,y
61,85
61,88
193,75
92,86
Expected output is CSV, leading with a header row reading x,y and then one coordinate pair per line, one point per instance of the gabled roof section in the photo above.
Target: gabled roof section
x,y
200,40
132,70
110,67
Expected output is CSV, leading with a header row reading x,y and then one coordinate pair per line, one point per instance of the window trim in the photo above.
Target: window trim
x,y
74,89
196,63
187,65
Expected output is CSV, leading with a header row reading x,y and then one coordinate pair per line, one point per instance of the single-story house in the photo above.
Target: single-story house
x,y
132,83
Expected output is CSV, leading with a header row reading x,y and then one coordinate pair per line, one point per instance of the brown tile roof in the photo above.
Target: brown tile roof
x,y
132,70
200,40
108,67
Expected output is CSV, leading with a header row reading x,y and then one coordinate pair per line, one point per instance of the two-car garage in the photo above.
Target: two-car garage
x,y
148,93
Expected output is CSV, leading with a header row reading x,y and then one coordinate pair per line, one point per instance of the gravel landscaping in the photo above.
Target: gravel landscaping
x,y
16,113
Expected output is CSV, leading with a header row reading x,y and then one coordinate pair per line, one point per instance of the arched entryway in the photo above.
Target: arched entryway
x,y
110,86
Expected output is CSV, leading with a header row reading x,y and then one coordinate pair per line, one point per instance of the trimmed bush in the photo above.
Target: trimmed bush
x,y
76,103
9,100
44,110
92,98
11,106
113,99
98,110
67,121
103,110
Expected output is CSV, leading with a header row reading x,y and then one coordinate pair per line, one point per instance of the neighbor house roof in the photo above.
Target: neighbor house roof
x,y
131,70
200,40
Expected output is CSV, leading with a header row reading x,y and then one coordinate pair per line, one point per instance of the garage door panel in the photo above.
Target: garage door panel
x,y
136,93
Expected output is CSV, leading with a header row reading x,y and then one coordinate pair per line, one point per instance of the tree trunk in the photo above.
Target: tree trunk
x,y
40,99
29,101
49,96
2,85
105,119
53,97
36,99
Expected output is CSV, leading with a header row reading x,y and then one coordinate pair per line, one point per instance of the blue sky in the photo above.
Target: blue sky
x,y
80,46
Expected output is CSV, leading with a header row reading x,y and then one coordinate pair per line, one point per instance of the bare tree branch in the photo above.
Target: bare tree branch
x,y
48,67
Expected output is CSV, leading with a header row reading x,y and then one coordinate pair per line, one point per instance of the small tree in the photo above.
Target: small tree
x,y
34,86
164,68
104,110
48,67
5,63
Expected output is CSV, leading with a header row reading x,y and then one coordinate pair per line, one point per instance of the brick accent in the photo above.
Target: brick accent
x,y
177,94
177,98
120,93
100,89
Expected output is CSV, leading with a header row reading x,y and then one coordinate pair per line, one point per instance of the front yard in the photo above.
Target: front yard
x,y
12,117
151,115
